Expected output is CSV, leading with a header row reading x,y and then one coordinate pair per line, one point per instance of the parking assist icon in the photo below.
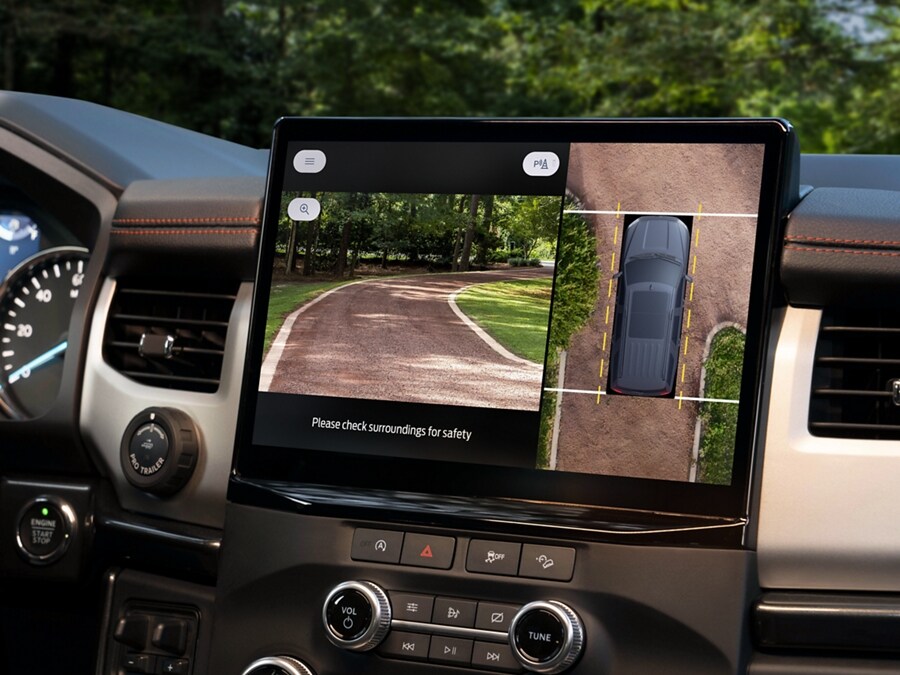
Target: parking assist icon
x,y
540,163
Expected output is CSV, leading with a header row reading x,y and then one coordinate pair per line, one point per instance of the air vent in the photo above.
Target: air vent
x,y
169,338
856,378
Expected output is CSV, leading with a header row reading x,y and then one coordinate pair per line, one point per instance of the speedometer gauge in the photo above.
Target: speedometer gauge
x,y
36,302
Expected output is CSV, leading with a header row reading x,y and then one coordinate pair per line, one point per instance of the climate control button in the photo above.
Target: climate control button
x,y
546,637
356,615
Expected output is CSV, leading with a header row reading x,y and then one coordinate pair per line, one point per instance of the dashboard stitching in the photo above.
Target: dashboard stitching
x,y
193,231
151,221
830,240
841,250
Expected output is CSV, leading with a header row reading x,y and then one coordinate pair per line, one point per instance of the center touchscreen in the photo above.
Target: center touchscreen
x,y
580,307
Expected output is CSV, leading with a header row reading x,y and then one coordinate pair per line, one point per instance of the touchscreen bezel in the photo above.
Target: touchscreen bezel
x,y
305,466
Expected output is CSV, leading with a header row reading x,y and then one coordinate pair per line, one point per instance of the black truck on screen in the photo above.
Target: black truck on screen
x,y
649,306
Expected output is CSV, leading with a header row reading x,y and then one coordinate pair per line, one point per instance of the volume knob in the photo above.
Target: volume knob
x,y
357,615
546,637
277,665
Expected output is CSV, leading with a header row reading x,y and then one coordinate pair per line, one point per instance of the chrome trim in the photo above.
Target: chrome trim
x,y
286,663
450,631
205,544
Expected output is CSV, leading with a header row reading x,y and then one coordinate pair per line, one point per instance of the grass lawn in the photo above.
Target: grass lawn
x,y
288,296
514,313
723,380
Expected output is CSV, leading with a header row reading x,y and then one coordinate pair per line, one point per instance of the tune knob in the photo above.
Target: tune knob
x,y
546,637
357,615
278,665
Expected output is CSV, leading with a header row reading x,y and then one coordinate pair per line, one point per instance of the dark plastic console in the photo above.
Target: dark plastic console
x,y
286,581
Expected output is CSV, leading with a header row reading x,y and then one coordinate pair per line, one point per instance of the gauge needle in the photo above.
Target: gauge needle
x,y
38,361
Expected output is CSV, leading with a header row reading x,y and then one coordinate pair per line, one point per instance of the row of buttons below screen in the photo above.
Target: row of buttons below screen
x,y
504,558
452,611
455,651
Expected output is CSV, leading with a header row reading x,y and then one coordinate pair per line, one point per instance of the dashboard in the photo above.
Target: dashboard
x,y
257,418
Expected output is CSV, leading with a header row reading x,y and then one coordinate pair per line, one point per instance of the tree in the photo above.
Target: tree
x,y
470,233
457,237
532,219
486,239
231,67
341,264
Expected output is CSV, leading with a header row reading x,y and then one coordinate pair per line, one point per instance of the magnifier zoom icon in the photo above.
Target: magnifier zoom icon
x,y
304,208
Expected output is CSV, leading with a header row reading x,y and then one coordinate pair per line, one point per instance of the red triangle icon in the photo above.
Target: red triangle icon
x,y
426,552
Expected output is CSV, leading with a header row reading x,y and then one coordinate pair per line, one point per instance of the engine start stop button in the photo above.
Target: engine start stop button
x,y
45,528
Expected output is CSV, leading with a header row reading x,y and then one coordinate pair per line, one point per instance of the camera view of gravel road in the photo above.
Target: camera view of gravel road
x,y
470,331
715,189
402,339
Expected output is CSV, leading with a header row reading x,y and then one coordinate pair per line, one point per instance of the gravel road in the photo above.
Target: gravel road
x,y
397,339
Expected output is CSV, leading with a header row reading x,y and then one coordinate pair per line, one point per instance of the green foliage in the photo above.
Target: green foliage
x,y
577,275
548,410
530,221
393,58
416,229
231,68
514,313
723,380
574,300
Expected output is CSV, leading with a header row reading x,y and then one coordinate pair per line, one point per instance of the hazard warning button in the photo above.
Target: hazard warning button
x,y
425,550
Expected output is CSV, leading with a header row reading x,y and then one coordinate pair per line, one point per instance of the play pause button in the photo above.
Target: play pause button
x,y
450,650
